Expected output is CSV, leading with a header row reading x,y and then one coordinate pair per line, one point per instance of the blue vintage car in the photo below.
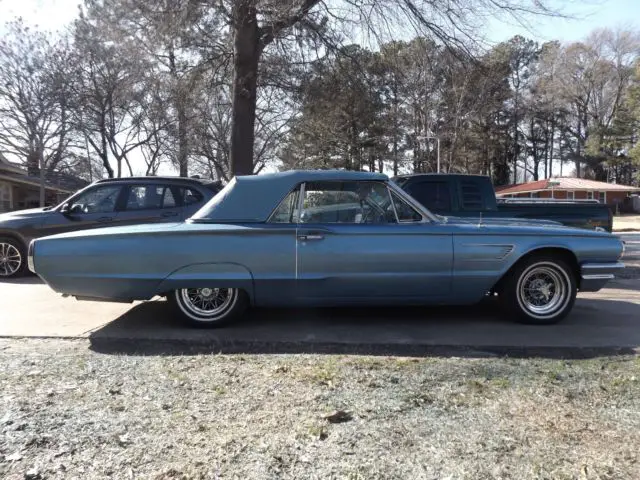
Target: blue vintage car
x,y
327,238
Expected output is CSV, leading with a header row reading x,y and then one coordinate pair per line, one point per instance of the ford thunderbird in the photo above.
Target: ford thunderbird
x,y
328,238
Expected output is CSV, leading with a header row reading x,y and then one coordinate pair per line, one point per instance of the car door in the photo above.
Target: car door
x,y
360,242
149,203
93,208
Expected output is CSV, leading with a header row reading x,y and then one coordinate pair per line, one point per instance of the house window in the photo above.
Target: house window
x,y
589,195
602,197
571,195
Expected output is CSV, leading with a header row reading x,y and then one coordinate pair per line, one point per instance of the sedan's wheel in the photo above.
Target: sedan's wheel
x,y
12,258
541,290
208,307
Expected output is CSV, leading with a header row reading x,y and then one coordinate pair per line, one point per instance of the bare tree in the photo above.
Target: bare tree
x,y
34,111
256,24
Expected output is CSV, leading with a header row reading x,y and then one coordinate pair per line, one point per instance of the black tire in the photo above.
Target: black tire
x,y
183,302
8,247
544,279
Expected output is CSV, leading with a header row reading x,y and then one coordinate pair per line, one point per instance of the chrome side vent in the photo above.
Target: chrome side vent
x,y
483,252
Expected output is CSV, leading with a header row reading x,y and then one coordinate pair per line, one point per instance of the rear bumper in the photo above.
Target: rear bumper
x,y
594,276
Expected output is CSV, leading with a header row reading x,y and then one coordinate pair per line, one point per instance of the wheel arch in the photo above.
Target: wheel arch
x,y
562,253
15,236
219,274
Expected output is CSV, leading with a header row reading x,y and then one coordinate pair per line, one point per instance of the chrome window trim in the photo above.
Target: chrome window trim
x,y
303,189
393,204
275,209
426,215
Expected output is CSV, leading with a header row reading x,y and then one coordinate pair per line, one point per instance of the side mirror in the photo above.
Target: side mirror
x,y
66,208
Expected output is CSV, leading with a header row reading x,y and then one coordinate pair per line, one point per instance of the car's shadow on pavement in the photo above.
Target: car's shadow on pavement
x,y
482,330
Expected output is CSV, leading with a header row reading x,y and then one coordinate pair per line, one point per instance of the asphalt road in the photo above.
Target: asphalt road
x,y
603,322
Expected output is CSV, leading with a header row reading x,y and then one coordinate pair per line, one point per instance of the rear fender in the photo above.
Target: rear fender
x,y
215,275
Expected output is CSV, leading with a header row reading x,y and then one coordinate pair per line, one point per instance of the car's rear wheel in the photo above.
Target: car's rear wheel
x,y
540,290
13,259
208,307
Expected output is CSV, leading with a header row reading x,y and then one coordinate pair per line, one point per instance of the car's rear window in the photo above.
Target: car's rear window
x,y
471,195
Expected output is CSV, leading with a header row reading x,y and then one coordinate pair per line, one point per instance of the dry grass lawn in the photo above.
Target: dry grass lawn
x,y
67,412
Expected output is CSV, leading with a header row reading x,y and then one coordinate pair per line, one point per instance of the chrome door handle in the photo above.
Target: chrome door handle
x,y
104,219
170,214
310,237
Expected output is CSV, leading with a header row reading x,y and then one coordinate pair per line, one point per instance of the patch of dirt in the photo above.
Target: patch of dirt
x,y
67,412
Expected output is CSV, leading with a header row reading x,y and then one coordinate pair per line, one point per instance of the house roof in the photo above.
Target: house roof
x,y
7,166
57,181
564,183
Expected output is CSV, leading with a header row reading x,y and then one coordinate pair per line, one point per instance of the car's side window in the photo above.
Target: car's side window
x,y
287,210
168,200
149,197
405,212
347,202
190,196
97,200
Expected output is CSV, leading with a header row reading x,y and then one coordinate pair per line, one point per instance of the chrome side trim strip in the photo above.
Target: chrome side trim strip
x,y
603,266
603,276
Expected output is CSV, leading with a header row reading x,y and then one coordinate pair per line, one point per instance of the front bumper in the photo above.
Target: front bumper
x,y
30,264
594,276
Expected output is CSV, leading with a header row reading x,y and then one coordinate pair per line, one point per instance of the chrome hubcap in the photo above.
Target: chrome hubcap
x,y
543,289
207,302
10,259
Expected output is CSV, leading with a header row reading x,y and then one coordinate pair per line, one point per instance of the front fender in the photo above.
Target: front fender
x,y
215,275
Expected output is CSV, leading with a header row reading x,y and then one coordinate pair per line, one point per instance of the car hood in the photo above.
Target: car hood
x,y
503,221
23,215
518,226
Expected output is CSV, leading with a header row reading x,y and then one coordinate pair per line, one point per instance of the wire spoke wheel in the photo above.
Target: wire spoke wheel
x,y
10,260
207,306
207,301
543,290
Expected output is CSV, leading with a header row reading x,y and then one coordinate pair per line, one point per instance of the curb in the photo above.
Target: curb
x,y
135,346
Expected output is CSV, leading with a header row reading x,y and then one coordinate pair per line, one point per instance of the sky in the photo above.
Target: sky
x,y
586,16
589,15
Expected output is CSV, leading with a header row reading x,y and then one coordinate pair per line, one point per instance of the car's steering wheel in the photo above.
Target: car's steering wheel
x,y
379,218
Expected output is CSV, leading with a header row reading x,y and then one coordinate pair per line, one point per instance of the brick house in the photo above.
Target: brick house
x,y
566,188
19,190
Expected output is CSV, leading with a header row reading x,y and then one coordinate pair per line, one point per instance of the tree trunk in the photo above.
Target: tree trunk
x,y
104,156
246,58
183,157
515,139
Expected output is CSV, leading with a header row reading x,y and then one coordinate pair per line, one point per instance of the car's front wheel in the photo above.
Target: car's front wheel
x,y
540,290
13,259
208,307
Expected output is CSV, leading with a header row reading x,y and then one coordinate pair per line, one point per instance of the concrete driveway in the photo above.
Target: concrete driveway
x,y
603,322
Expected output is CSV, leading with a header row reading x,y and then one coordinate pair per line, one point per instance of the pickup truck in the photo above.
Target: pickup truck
x,y
473,196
